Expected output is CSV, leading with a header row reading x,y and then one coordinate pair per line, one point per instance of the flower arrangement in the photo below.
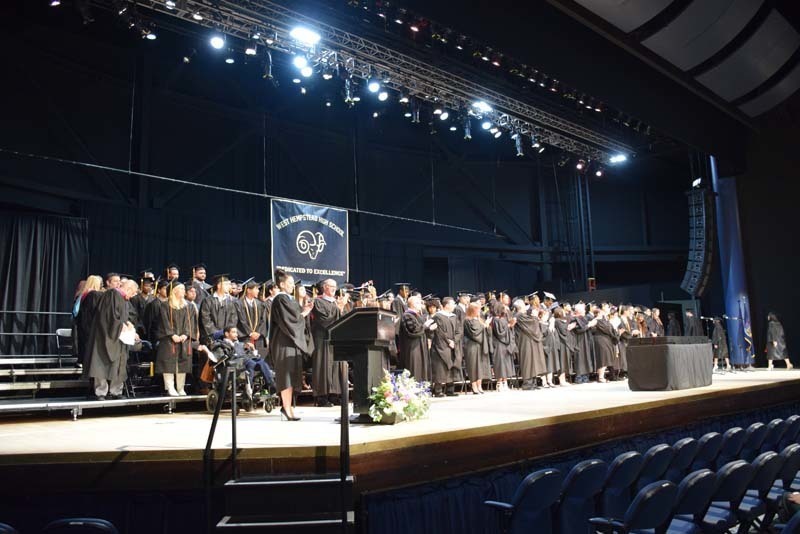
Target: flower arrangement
x,y
399,395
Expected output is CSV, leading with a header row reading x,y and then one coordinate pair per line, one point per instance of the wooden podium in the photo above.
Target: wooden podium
x,y
363,337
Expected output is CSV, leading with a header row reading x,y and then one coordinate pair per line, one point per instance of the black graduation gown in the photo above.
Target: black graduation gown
x,y
109,355
476,350
529,336
549,340
503,347
625,330
719,341
215,315
202,290
414,346
151,320
324,378
83,323
674,327
139,303
775,333
174,357
287,341
251,317
605,340
658,327
584,359
460,317
565,347
693,327
443,358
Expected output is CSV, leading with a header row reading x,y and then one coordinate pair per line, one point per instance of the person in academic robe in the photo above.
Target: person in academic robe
x,y
325,380
581,330
109,354
658,326
413,348
84,318
251,321
626,330
776,342
504,345
178,332
141,300
287,340
605,340
201,287
719,344
673,325
445,360
476,347
565,346
528,334
151,317
693,326
217,311
549,341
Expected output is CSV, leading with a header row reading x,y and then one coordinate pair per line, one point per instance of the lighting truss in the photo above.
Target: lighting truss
x,y
362,58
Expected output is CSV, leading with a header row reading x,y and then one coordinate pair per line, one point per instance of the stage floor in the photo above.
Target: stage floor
x,y
482,422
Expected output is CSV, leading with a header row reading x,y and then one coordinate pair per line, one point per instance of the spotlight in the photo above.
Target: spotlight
x,y
494,130
599,172
518,144
55,3
303,90
373,85
383,95
300,62
414,28
486,125
482,106
217,41
618,158
403,99
229,61
328,103
437,111
296,80
306,72
453,128
197,16
541,149
467,129
375,114
250,50
304,35
398,21
407,114
257,35
170,4
444,115
580,165
497,134
327,75
150,36
356,98
534,142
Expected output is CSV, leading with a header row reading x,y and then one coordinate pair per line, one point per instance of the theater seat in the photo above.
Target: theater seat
x,y
7,529
531,507
685,451
752,442
732,441
707,452
691,504
732,481
792,430
786,475
617,492
656,460
80,525
578,493
775,430
754,504
792,527
651,509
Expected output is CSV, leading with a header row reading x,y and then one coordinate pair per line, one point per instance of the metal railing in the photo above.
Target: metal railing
x,y
30,331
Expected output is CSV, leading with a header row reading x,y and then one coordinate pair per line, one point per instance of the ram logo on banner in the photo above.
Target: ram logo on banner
x,y
309,241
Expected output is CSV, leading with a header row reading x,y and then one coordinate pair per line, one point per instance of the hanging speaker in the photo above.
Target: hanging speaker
x,y
701,242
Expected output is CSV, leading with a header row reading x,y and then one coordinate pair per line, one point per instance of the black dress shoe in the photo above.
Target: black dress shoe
x,y
451,394
286,415
438,395
100,397
117,397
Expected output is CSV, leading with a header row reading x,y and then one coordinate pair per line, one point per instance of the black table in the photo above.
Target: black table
x,y
668,363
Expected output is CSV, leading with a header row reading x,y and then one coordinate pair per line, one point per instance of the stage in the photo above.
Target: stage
x,y
464,434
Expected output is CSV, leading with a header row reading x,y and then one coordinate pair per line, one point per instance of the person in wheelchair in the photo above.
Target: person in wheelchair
x,y
230,347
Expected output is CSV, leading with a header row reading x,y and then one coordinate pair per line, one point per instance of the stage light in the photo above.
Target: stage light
x,y
150,36
300,62
580,165
373,85
356,98
197,16
453,128
55,3
257,35
482,106
398,21
403,99
497,134
486,125
327,75
518,144
414,28
444,115
437,111
306,72
217,41
328,103
303,90
697,182
250,50
305,35
618,158
383,95
534,142
599,172
170,4
494,130
598,107
407,114
296,80
229,61
375,114
541,149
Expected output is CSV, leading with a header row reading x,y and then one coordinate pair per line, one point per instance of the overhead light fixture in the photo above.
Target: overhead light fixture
x,y
197,16
250,50
618,158
541,149
229,61
327,75
414,28
580,165
305,35
696,183
398,21
303,90
494,130
437,111
403,99
444,115
383,95
55,3
467,129
217,41
486,125
257,35
306,71
296,80
482,106
534,142
373,85
599,172
407,114
150,36
497,134
328,103
170,4
300,62
453,128
375,114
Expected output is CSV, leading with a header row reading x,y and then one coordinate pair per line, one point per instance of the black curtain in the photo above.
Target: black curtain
x,y
42,259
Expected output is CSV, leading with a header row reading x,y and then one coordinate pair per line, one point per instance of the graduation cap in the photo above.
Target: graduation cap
x,y
386,295
250,283
549,295
402,286
199,266
123,276
554,305
480,296
146,275
474,298
221,278
464,294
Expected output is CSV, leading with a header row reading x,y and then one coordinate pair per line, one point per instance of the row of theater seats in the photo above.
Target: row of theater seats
x,y
709,485
76,525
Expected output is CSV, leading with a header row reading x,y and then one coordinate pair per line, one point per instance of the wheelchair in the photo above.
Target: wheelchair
x,y
263,392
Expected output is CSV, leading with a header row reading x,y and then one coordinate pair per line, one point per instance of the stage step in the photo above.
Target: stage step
x,y
311,524
293,504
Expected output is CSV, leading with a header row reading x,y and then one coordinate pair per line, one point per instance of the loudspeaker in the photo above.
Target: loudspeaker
x,y
702,226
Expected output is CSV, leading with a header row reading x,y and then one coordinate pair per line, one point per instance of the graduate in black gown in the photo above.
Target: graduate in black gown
x,y
719,344
141,300
658,326
87,306
528,333
217,311
627,330
693,326
445,359
581,330
178,333
151,317
673,325
287,341
251,323
504,345
109,355
201,287
776,342
565,346
476,347
324,378
413,348
605,340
